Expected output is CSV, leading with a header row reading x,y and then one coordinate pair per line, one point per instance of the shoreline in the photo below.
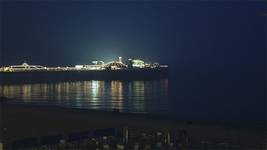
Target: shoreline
x,y
24,121
146,115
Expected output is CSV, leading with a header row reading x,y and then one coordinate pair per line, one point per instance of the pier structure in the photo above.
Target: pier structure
x,y
97,65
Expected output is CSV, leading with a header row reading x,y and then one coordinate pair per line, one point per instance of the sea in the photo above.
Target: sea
x,y
196,97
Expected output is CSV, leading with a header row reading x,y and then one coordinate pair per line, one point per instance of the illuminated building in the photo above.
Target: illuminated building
x,y
137,63
120,59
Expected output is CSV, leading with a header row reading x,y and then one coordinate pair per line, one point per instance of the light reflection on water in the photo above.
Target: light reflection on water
x,y
128,96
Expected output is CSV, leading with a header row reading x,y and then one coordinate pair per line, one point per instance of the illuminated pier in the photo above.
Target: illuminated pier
x,y
97,65
133,69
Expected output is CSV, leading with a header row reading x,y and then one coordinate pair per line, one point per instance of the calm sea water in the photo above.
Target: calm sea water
x,y
196,96
127,96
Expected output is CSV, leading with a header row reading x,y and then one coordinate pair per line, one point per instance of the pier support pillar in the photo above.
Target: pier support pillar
x,y
125,135
167,137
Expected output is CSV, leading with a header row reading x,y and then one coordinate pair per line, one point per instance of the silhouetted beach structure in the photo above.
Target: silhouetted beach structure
x,y
154,140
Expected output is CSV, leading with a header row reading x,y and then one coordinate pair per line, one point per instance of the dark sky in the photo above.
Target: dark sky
x,y
198,34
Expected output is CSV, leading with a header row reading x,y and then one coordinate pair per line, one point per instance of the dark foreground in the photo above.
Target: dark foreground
x,y
38,127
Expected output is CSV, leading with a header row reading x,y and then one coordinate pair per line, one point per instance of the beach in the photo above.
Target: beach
x,y
24,121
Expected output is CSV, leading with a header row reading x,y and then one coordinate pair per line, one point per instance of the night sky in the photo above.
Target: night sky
x,y
217,49
205,35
